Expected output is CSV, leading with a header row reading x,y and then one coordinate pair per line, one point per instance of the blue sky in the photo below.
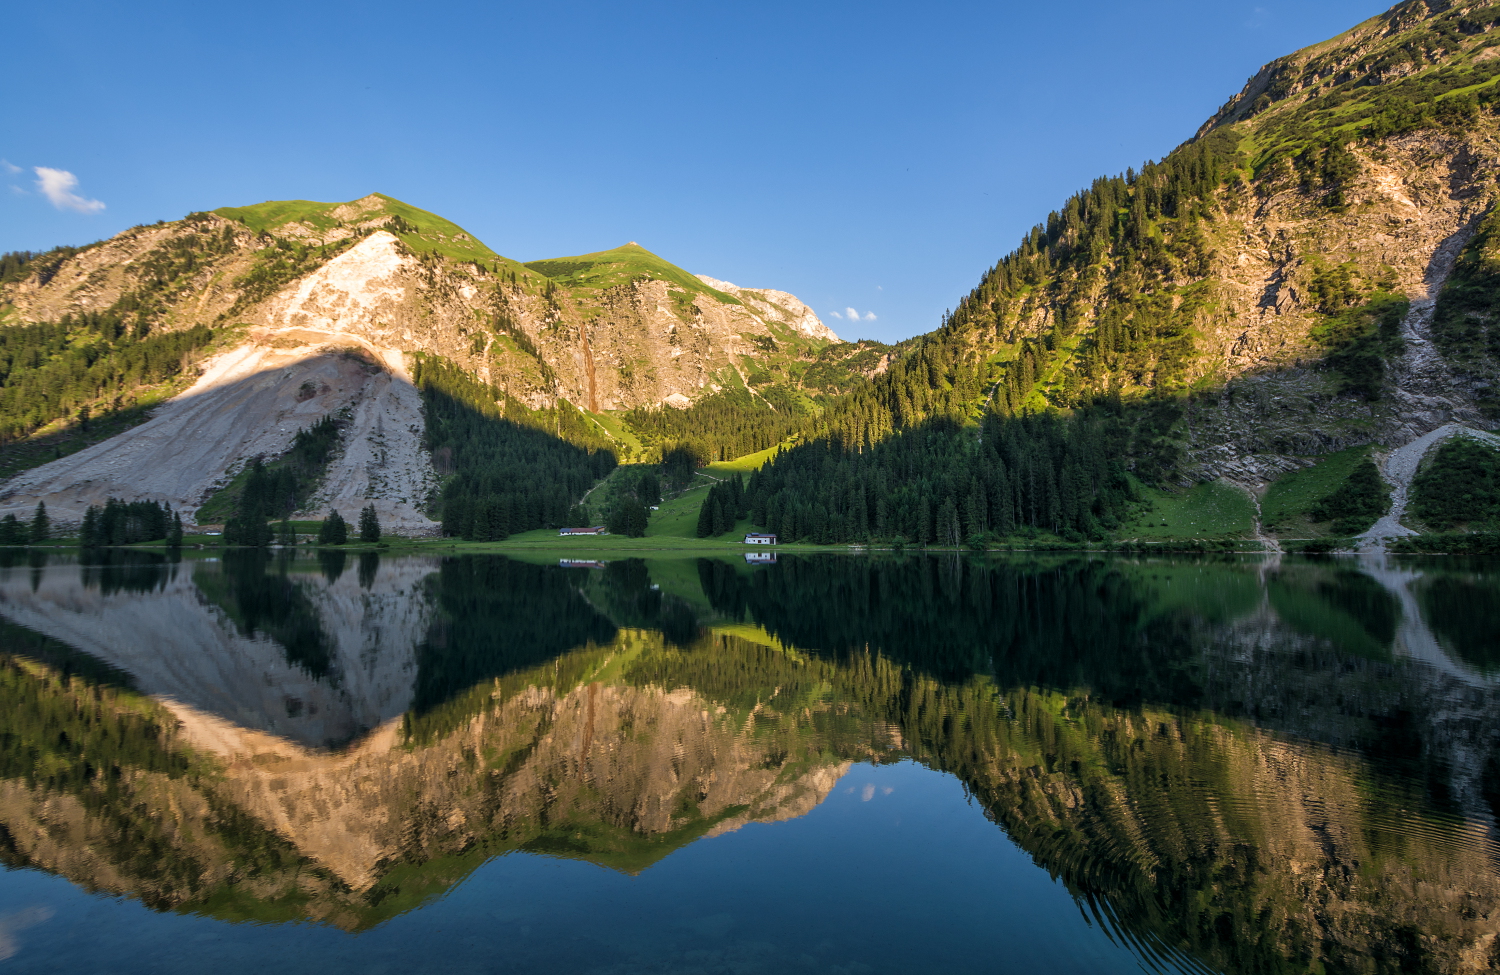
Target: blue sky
x,y
876,157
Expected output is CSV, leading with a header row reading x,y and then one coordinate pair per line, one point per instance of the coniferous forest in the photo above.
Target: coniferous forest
x,y
513,469
942,484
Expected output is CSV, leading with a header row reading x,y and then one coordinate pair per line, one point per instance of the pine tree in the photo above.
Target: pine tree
x,y
285,537
334,530
12,531
174,537
41,525
706,515
628,517
649,489
369,526
88,535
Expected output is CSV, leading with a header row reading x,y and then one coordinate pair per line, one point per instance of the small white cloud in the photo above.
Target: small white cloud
x,y
57,185
869,316
10,168
835,314
852,315
879,288
868,792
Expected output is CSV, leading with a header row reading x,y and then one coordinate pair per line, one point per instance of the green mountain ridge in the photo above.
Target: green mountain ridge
x,y
1273,291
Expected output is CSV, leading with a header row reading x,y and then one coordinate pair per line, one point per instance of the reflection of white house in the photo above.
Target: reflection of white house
x,y
596,530
761,558
760,538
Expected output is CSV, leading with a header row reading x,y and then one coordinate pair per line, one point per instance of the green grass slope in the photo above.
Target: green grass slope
x,y
611,268
1210,510
1285,510
419,229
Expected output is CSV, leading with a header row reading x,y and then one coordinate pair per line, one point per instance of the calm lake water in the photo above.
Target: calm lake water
x,y
825,764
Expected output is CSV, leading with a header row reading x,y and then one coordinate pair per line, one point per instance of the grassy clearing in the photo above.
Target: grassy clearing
x,y
678,517
1284,509
547,541
615,426
745,464
1210,510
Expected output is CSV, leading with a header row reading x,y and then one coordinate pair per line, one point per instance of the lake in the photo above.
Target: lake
x,y
799,764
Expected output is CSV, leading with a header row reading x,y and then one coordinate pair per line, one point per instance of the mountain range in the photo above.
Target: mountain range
x,y
306,310
1313,273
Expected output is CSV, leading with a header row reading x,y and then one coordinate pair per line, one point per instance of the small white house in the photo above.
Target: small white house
x,y
760,538
596,530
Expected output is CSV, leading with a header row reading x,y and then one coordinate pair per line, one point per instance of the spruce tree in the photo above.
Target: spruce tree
x,y
649,489
334,530
174,537
41,525
88,535
369,526
706,515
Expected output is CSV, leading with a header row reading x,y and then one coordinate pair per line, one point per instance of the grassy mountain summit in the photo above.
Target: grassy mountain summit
x,y
622,265
325,223
1329,180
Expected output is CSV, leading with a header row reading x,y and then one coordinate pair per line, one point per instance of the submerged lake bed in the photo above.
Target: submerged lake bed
x,y
819,763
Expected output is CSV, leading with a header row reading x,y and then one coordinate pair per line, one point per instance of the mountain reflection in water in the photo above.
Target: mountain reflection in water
x,y
1231,766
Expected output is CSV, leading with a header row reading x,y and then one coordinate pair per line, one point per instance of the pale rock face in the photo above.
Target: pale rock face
x,y
346,294
252,401
778,306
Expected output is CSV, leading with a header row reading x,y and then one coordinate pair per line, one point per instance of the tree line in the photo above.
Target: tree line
x,y
940,484
513,469
724,425
129,523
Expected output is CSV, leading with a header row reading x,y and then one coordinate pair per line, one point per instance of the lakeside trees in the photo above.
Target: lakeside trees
x,y
941,484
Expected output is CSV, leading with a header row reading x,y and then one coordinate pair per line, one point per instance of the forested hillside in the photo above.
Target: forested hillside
x,y
1235,308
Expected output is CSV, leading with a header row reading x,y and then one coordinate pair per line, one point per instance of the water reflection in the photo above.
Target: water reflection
x,y
1248,766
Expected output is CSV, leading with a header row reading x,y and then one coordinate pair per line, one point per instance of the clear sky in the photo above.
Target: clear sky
x,y
873,156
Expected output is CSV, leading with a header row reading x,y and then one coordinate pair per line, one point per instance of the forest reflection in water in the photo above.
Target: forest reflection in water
x,y
1227,765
